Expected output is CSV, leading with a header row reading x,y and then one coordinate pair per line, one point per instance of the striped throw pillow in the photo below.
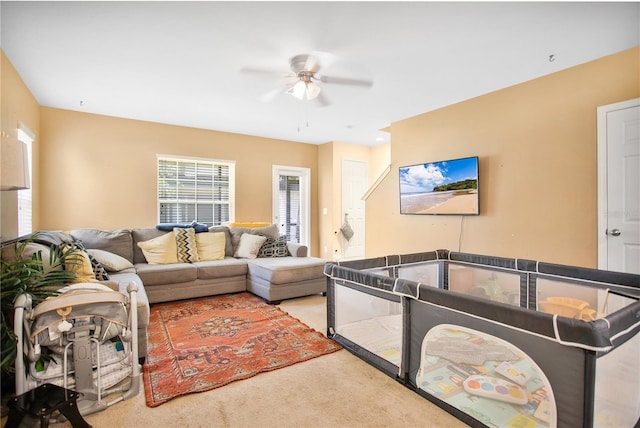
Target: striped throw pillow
x,y
187,246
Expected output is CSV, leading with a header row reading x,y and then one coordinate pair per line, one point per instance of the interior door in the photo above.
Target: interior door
x,y
619,176
355,182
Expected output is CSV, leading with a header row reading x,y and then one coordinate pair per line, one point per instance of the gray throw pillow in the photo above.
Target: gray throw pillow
x,y
117,242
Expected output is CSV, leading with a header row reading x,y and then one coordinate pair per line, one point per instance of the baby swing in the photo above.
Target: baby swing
x,y
84,339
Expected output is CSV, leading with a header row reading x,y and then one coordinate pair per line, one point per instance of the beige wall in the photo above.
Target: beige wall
x,y
330,156
538,167
100,171
18,107
380,160
326,190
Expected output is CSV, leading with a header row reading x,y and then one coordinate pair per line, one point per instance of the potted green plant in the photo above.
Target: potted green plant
x,y
27,275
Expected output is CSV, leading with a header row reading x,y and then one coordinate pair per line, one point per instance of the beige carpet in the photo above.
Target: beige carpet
x,y
336,390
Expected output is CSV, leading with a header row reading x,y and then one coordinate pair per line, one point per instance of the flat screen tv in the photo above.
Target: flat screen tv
x,y
447,187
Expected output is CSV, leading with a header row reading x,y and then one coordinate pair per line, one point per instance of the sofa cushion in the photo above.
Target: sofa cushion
x,y
111,261
160,250
225,268
186,245
211,245
249,246
31,249
140,235
228,245
117,242
52,237
174,273
237,232
283,270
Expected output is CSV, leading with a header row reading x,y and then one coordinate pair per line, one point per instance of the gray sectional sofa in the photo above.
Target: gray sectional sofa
x,y
272,278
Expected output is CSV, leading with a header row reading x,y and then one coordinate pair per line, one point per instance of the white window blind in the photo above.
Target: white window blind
x,y
289,205
195,189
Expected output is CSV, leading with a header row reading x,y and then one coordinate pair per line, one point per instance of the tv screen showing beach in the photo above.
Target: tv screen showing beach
x,y
447,187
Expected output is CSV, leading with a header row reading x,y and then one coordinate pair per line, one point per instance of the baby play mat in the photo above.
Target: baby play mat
x,y
487,377
202,344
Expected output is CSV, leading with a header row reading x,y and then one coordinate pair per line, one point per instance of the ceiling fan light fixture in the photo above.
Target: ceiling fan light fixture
x,y
313,90
298,90
304,87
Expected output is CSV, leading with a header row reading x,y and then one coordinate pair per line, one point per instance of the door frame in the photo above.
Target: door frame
x,y
602,112
305,197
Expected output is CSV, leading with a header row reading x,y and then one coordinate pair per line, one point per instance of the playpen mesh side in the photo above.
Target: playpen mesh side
x,y
371,322
366,318
424,273
497,285
617,386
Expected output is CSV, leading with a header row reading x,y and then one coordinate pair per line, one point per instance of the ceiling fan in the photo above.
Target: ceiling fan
x,y
308,77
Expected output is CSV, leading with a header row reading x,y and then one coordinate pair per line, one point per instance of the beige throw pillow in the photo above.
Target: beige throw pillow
x,y
249,246
110,261
79,263
161,250
211,245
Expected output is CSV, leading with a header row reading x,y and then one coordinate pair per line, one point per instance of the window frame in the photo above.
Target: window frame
x,y
304,175
25,196
190,159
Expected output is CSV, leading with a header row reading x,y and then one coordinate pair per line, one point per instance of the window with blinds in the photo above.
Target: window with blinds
x,y
195,189
289,207
25,196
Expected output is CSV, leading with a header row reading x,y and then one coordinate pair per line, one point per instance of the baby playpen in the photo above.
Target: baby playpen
x,y
496,341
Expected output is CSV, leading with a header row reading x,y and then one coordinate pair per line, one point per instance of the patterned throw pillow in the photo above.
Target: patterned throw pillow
x,y
99,270
274,247
187,245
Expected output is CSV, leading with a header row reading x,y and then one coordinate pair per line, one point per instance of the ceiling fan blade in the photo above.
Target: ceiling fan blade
x,y
317,60
312,64
264,72
345,81
323,100
272,94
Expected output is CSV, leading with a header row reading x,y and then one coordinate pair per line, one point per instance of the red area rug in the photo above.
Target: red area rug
x,y
202,344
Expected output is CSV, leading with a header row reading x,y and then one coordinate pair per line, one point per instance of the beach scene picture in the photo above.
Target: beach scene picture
x,y
447,187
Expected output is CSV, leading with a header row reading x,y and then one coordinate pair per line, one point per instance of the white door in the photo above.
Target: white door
x,y
355,182
291,202
619,187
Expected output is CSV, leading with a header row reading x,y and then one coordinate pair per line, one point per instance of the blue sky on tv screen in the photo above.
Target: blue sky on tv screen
x,y
424,177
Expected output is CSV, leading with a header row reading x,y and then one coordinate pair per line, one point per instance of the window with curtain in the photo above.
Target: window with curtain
x,y
195,189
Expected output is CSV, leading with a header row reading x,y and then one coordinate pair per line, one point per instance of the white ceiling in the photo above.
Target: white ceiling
x,y
180,62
